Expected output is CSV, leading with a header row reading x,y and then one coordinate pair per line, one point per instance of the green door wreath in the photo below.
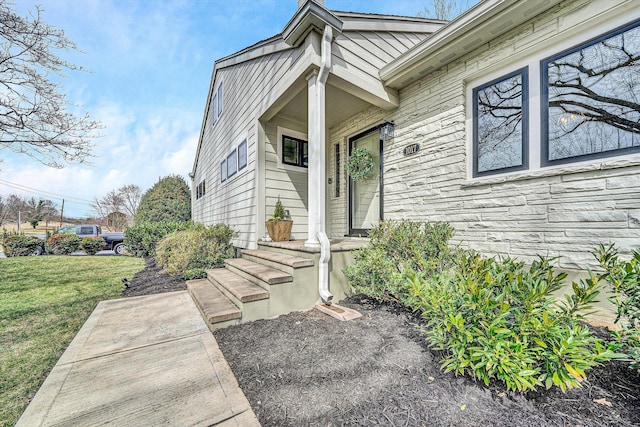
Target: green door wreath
x,y
359,164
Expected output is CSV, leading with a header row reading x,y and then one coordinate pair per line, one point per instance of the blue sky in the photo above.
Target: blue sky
x,y
150,64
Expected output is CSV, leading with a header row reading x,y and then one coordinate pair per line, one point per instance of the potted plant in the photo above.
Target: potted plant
x,y
278,227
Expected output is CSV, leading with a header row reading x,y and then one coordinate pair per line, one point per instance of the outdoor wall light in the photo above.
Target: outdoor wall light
x,y
386,131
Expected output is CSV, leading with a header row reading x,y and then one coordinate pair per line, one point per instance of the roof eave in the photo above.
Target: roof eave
x,y
480,24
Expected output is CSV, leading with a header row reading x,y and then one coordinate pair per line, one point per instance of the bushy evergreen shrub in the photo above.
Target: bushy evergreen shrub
x,y
63,243
497,319
92,245
192,252
141,238
168,200
492,319
396,247
21,245
624,277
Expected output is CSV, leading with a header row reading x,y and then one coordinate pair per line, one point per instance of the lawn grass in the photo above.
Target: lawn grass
x,y
43,303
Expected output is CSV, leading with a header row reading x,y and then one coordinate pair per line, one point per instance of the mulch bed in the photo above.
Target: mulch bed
x,y
308,369
152,280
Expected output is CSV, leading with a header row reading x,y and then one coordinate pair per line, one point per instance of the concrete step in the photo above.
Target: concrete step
x,y
258,274
236,288
216,308
279,261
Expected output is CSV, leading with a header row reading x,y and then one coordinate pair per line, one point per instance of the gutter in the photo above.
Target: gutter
x,y
325,245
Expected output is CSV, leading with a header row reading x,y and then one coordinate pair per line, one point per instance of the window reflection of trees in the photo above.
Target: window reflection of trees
x,y
499,134
593,104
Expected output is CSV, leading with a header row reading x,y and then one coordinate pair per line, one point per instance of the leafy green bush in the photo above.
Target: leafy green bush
x,y
92,245
624,277
497,319
21,245
63,243
395,248
168,200
141,238
191,252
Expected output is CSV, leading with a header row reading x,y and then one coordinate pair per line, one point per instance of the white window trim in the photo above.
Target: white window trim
x,y
295,134
202,179
239,172
244,140
532,59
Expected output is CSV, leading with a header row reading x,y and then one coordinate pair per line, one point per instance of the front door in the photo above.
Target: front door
x,y
365,196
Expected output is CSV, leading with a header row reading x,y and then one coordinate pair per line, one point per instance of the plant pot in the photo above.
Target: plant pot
x,y
279,231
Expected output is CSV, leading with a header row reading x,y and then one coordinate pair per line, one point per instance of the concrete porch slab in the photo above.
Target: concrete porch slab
x,y
141,361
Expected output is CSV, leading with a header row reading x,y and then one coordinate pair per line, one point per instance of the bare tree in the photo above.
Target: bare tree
x,y
15,205
4,210
119,206
445,10
131,195
34,116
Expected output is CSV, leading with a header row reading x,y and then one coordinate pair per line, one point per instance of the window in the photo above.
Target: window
x,y
201,190
338,166
214,108
590,99
588,108
86,230
219,100
500,125
232,164
295,152
223,171
242,155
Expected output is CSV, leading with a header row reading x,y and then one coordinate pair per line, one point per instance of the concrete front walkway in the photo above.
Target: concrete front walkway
x,y
147,360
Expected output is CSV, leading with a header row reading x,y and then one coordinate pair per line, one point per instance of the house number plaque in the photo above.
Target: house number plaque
x,y
411,149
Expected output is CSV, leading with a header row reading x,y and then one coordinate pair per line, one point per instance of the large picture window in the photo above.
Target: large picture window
x,y
500,124
295,151
591,99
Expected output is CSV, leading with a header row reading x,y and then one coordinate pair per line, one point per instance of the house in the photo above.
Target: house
x,y
518,123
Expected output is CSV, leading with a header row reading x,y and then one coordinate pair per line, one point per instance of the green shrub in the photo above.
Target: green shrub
x,y
624,277
497,319
63,243
141,238
168,200
92,245
191,252
21,245
395,248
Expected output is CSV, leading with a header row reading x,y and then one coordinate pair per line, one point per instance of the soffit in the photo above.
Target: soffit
x,y
480,24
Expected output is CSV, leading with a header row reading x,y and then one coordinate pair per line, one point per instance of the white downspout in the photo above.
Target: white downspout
x,y
325,245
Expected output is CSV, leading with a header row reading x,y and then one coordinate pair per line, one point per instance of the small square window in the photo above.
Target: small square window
x,y
295,151
223,171
242,155
232,164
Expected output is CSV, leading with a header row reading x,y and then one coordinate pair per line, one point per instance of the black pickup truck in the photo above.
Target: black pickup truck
x,y
113,241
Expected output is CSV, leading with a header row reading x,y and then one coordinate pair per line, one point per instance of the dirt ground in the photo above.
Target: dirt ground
x,y
308,369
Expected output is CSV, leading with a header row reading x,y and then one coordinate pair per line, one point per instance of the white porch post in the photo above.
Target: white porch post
x,y
316,173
